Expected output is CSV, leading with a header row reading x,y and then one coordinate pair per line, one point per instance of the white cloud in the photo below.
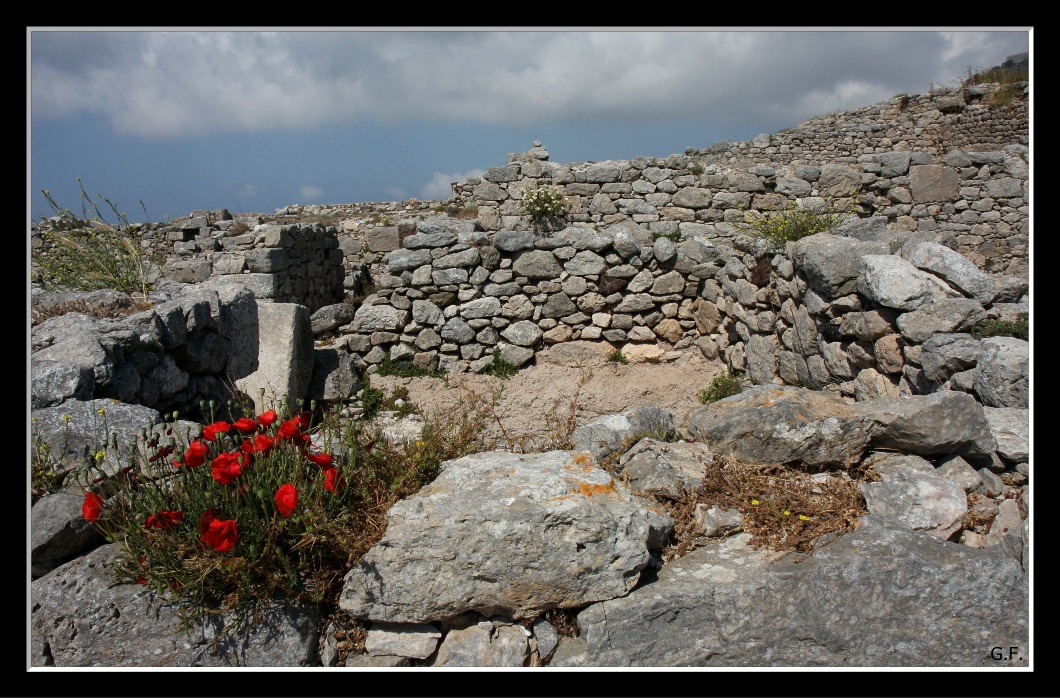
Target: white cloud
x,y
186,83
310,193
440,187
247,191
396,194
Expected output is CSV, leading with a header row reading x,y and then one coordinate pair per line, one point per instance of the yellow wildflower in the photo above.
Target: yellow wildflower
x,y
803,517
66,418
787,513
754,502
102,411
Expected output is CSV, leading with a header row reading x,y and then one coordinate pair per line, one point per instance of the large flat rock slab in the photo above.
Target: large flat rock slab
x,y
80,618
504,534
782,424
936,424
880,596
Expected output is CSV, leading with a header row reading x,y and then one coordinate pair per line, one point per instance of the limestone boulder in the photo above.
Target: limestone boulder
x,y
484,644
1003,378
1011,429
783,424
334,376
53,382
895,283
503,534
883,595
830,262
665,469
81,618
285,355
910,491
87,429
936,424
331,316
944,354
605,435
537,264
59,532
956,269
947,315
379,318
577,354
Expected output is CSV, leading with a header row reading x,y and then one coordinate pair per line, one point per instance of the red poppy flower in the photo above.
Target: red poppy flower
x,y
321,459
226,468
221,534
246,425
332,480
208,516
211,431
141,580
260,444
92,506
286,499
267,419
164,519
196,453
287,430
303,419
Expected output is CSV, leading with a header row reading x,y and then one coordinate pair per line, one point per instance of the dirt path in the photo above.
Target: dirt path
x,y
537,396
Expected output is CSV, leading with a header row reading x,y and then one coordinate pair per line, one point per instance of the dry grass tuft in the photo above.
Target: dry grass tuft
x,y
102,311
564,620
783,508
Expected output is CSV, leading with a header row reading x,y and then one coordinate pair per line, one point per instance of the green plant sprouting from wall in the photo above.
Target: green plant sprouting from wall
x,y
544,202
89,253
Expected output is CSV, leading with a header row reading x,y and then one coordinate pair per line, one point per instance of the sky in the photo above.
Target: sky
x,y
255,120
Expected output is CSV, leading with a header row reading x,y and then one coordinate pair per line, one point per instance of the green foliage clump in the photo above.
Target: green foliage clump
x,y
724,385
371,398
281,503
499,367
617,357
675,236
696,169
794,223
1003,328
543,202
89,253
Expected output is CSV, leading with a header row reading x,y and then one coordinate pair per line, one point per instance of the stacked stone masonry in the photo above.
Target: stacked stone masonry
x,y
894,160
296,263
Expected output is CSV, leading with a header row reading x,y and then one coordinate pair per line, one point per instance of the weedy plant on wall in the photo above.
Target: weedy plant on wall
x,y
794,222
544,202
90,253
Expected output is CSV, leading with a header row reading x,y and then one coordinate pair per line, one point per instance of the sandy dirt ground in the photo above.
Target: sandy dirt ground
x,y
527,402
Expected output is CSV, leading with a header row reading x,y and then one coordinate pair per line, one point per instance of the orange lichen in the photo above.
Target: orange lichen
x,y
582,458
588,489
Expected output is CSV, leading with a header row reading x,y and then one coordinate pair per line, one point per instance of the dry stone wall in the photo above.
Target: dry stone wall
x,y
294,263
917,162
867,311
655,255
